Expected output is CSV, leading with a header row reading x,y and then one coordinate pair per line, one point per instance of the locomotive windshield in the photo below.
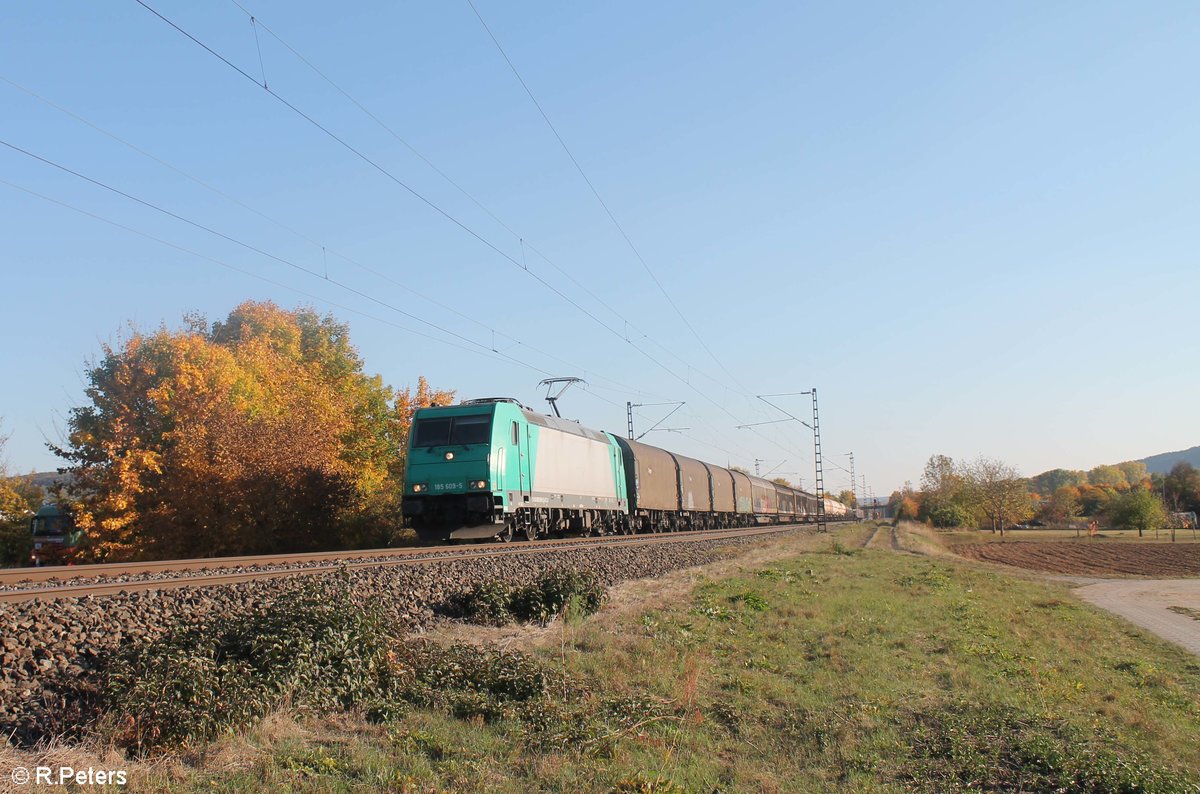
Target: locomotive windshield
x,y
464,430
431,433
52,525
471,430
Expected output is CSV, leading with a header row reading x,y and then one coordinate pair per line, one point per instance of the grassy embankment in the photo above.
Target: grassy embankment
x,y
821,670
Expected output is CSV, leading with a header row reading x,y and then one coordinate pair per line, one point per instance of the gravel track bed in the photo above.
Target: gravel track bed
x,y
215,567
47,642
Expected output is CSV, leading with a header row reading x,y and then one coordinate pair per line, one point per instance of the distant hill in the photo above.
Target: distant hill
x,y
46,479
1161,464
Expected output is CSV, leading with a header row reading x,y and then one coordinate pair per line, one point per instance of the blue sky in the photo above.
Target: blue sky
x,y
972,227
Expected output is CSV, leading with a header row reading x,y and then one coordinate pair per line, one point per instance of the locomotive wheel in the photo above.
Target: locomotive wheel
x,y
505,535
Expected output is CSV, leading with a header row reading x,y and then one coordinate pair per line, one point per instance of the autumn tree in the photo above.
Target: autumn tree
x,y
1138,509
1134,471
1063,506
258,434
846,497
948,498
1002,493
1108,476
18,498
1181,487
1048,482
11,502
905,507
1093,499
372,526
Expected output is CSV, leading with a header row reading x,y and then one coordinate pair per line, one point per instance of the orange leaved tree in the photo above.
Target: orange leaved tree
x,y
258,434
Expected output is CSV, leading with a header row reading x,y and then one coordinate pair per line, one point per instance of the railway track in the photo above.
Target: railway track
x,y
96,580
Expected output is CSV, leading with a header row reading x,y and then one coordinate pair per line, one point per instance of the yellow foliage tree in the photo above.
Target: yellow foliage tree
x,y
259,434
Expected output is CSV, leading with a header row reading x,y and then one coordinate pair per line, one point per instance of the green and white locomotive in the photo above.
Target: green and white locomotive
x,y
494,468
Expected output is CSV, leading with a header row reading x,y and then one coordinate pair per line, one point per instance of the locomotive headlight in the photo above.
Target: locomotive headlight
x,y
449,456
478,484
420,487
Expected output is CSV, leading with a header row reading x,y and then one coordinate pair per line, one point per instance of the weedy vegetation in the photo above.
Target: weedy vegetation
x,y
315,650
576,593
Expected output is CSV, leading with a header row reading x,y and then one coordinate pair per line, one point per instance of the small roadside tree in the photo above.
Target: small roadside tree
x,y
948,495
1003,497
1138,509
1063,506
907,509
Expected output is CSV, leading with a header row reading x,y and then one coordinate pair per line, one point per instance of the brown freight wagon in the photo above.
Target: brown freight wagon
x,y
695,491
722,489
787,502
766,500
743,495
653,484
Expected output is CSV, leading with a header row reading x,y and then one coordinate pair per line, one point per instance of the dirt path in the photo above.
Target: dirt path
x,y
1148,602
872,536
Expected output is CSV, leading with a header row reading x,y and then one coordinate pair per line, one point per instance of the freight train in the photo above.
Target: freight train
x,y
495,468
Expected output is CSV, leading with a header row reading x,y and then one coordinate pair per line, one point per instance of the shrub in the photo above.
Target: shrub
x,y
950,515
578,592
429,671
16,544
836,547
495,603
488,604
313,647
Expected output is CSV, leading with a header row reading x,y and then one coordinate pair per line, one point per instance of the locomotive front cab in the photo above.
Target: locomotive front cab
x,y
456,481
54,536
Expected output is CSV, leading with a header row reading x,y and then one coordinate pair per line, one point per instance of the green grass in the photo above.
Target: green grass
x,y
828,671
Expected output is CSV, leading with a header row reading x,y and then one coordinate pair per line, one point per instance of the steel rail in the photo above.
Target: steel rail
x,y
355,561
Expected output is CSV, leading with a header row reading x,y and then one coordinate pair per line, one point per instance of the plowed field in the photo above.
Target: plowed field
x,y
1092,558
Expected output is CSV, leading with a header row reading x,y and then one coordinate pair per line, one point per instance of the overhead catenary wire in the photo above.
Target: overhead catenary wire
x,y
248,246
325,250
439,210
591,186
221,263
521,240
359,154
251,274
614,220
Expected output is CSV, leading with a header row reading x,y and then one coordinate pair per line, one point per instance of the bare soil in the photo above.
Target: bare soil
x,y
1091,558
